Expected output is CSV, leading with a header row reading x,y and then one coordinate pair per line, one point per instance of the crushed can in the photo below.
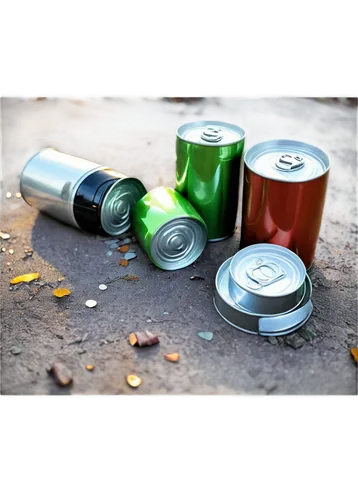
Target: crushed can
x,y
168,228
79,192
264,289
284,191
208,161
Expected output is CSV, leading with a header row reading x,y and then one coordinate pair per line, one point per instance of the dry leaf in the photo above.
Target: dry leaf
x,y
90,367
146,338
173,357
133,380
61,292
123,262
123,249
354,352
25,278
129,277
133,340
61,373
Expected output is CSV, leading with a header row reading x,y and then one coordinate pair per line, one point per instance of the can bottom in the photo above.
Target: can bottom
x,y
213,240
276,334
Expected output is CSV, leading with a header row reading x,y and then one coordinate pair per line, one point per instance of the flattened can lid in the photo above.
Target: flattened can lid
x,y
262,324
267,270
287,161
211,133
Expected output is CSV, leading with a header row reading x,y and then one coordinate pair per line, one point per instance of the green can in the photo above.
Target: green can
x,y
168,228
208,165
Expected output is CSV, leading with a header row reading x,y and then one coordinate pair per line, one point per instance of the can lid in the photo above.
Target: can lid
x,y
267,270
287,161
211,133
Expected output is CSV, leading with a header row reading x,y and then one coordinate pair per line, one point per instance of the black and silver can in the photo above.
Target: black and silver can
x,y
81,193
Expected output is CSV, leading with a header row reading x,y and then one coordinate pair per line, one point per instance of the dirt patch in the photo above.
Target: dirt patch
x,y
138,137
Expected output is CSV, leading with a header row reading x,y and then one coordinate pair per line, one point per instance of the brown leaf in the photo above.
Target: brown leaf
x,y
24,278
354,352
123,262
133,380
146,339
130,277
173,357
133,340
123,249
62,374
61,292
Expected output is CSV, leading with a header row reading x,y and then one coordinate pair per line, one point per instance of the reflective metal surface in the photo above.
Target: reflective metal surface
x,y
284,206
168,228
267,279
117,204
262,324
49,181
208,159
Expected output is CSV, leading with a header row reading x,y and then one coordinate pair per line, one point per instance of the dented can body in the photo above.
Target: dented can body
x,y
208,159
169,228
284,191
79,192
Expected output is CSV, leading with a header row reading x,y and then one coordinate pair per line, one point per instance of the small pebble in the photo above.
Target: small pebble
x,y
3,249
133,380
126,241
165,313
149,320
206,335
109,242
102,287
91,303
113,245
109,253
130,255
4,236
90,367
18,195
8,194
11,251
15,350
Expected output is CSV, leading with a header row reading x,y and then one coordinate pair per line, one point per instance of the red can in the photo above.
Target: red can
x,y
285,185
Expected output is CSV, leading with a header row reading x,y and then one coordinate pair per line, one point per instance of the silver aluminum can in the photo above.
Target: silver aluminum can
x,y
79,192
288,283
267,279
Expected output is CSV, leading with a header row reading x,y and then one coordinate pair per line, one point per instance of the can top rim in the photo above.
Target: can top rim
x,y
190,125
252,154
279,251
126,218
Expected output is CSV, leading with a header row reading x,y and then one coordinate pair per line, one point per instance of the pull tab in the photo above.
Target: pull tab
x,y
290,162
265,273
212,134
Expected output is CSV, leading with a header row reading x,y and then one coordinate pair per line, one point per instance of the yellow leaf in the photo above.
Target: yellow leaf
x,y
24,278
133,339
61,292
173,357
354,352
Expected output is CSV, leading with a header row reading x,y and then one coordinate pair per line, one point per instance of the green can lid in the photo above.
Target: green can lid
x,y
211,133
287,161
